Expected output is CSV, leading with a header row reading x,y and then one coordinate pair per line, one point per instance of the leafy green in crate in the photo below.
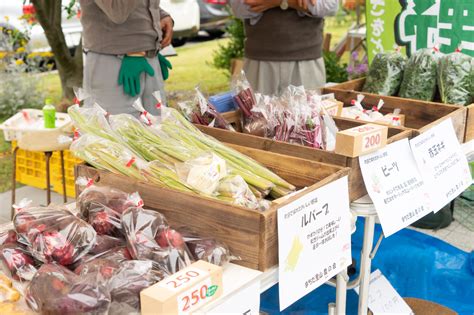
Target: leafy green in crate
x,y
385,73
455,79
419,79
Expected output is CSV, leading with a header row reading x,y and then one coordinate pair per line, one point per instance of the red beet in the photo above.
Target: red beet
x,y
17,260
8,237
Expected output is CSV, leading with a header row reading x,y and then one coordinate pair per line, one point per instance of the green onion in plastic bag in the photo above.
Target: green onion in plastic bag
x,y
456,79
419,79
385,73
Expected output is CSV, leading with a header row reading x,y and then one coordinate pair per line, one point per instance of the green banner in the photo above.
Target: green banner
x,y
417,24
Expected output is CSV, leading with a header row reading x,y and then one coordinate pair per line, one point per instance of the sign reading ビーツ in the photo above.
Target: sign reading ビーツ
x,y
313,240
395,186
383,299
442,163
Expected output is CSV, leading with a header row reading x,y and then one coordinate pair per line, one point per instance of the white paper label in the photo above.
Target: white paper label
x,y
383,299
314,240
195,297
183,278
371,141
395,185
442,164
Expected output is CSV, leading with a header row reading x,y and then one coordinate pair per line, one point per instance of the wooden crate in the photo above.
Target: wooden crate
x,y
250,234
469,124
356,183
419,115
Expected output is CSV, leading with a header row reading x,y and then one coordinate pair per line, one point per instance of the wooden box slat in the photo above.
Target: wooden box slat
x,y
250,234
356,184
419,115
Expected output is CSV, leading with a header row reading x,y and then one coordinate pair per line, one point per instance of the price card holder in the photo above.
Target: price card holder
x,y
183,292
361,140
314,240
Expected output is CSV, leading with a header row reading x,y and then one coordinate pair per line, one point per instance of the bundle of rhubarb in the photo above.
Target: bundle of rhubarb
x,y
201,112
171,152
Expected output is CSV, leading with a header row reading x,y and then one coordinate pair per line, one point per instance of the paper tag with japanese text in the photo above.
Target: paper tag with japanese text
x,y
314,240
395,186
442,164
383,299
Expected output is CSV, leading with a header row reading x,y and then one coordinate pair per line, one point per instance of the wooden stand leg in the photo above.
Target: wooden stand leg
x,y
63,171
15,151
48,177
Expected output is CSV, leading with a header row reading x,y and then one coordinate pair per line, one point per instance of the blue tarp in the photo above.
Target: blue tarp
x,y
416,264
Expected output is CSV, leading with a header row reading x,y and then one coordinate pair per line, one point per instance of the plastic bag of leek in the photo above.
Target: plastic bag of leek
x,y
456,79
419,79
385,73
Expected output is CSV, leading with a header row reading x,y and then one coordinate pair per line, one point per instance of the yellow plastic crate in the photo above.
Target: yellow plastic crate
x,y
31,170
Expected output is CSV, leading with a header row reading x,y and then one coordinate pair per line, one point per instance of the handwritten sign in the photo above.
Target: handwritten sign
x,y
442,163
396,186
313,240
383,299
195,297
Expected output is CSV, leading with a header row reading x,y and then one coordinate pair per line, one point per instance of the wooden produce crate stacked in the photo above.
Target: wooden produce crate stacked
x,y
420,115
250,234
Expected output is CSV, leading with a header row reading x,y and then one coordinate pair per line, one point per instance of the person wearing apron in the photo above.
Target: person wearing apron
x,y
121,41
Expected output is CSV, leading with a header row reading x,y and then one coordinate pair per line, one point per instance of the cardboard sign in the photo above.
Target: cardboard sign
x,y
185,291
395,185
383,299
442,164
361,140
314,240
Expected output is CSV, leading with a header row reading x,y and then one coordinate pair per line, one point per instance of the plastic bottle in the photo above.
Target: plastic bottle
x,y
49,114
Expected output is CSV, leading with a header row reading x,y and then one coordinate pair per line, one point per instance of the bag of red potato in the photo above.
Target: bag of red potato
x,y
54,234
149,237
17,261
55,290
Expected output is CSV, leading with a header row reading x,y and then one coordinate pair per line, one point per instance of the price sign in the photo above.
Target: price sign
x,y
313,240
383,299
195,297
180,279
372,141
395,185
442,164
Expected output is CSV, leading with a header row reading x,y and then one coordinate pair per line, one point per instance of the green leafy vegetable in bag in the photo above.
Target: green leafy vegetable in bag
x,y
419,79
385,73
456,79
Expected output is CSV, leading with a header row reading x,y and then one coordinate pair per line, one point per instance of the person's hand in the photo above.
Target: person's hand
x,y
260,6
167,29
130,72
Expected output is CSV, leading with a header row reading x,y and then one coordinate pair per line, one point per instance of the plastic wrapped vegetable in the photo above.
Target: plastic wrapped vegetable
x,y
108,155
105,243
57,290
149,238
91,120
420,76
104,220
456,78
18,261
54,235
385,73
207,248
7,236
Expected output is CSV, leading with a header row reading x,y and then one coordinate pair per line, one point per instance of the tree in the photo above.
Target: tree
x,y
70,67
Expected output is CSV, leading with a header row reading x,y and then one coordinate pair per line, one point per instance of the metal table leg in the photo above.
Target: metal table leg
x,y
341,292
63,172
15,151
48,177
366,263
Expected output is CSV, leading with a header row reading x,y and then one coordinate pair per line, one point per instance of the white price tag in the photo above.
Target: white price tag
x,y
442,164
195,297
314,240
395,186
383,299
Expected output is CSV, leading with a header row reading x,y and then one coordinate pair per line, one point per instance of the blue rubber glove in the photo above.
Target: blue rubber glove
x,y
165,66
130,72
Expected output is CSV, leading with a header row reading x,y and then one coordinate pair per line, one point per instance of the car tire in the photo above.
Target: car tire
x,y
178,42
216,33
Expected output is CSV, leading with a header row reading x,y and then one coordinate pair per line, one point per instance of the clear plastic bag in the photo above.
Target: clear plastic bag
x,y
385,73
9,295
17,261
92,120
148,238
236,191
456,79
8,236
420,76
55,290
54,235
207,248
108,155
